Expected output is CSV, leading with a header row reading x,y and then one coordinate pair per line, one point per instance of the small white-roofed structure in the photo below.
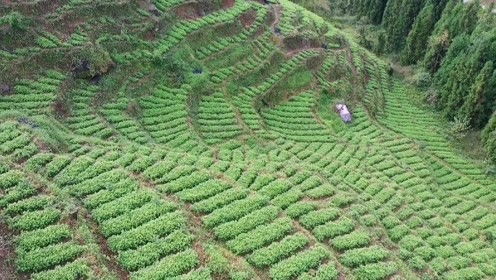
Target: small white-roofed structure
x,y
344,113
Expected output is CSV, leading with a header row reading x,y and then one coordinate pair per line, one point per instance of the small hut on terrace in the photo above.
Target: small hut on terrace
x,y
344,113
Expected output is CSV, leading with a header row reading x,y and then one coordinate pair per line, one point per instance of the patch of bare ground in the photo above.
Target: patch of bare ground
x,y
248,18
7,255
226,4
193,10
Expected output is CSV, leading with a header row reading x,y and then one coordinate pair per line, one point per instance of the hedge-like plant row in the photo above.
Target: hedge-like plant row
x,y
83,119
262,49
259,217
278,251
244,101
222,43
34,96
170,266
165,117
299,263
164,5
115,113
180,30
216,119
260,236
42,243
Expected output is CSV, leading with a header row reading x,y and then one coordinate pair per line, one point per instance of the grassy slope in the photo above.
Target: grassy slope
x,y
207,148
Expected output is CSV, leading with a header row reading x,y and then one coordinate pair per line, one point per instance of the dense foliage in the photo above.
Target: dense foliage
x,y
453,41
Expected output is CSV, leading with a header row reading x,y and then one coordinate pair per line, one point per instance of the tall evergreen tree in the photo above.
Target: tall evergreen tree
x,y
399,16
473,109
489,137
419,35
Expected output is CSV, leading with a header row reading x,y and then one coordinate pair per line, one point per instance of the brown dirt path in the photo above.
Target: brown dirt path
x,y
7,255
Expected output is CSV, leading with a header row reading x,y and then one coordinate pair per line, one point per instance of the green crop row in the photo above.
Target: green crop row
x,y
42,237
300,208
36,219
375,271
202,191
186,182
260,236
44,258
235,210
287,199
256,218
220,200
134,218
319,217
333,229
169,266
298,264
75,270
164,5
351,241
147,232
363,256
222,43
121,205
9,179
179,31
325,272
113,191
151,252
277,251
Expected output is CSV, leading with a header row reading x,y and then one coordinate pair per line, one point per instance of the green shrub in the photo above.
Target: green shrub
x,y
48,257
233,211
259,217
351,241
319,217
153,251
134,218
29,204
300,208
469,273
121,205
169,267
333,229
260,236
42,237
75,270
10,178
218,201
299,263
36,219
202,191
279,250
362,256
147,232
375,271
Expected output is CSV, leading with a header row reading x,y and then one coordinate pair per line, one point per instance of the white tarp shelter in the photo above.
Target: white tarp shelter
x,y
344,113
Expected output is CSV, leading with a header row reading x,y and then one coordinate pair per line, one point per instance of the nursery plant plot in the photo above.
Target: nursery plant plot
x,y
34,97
118,113
216,119
294,120
84,119
165,117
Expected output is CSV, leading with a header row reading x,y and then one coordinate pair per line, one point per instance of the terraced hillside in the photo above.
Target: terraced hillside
x,y
172,139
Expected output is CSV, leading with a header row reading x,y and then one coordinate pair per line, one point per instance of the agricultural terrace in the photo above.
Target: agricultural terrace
x,y
172,139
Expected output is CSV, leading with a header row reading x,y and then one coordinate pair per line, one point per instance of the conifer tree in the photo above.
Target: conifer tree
x,y
473,108
398,20
419,35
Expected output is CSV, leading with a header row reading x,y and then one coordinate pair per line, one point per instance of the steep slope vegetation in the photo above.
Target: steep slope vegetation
x,y
452,42
173,139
